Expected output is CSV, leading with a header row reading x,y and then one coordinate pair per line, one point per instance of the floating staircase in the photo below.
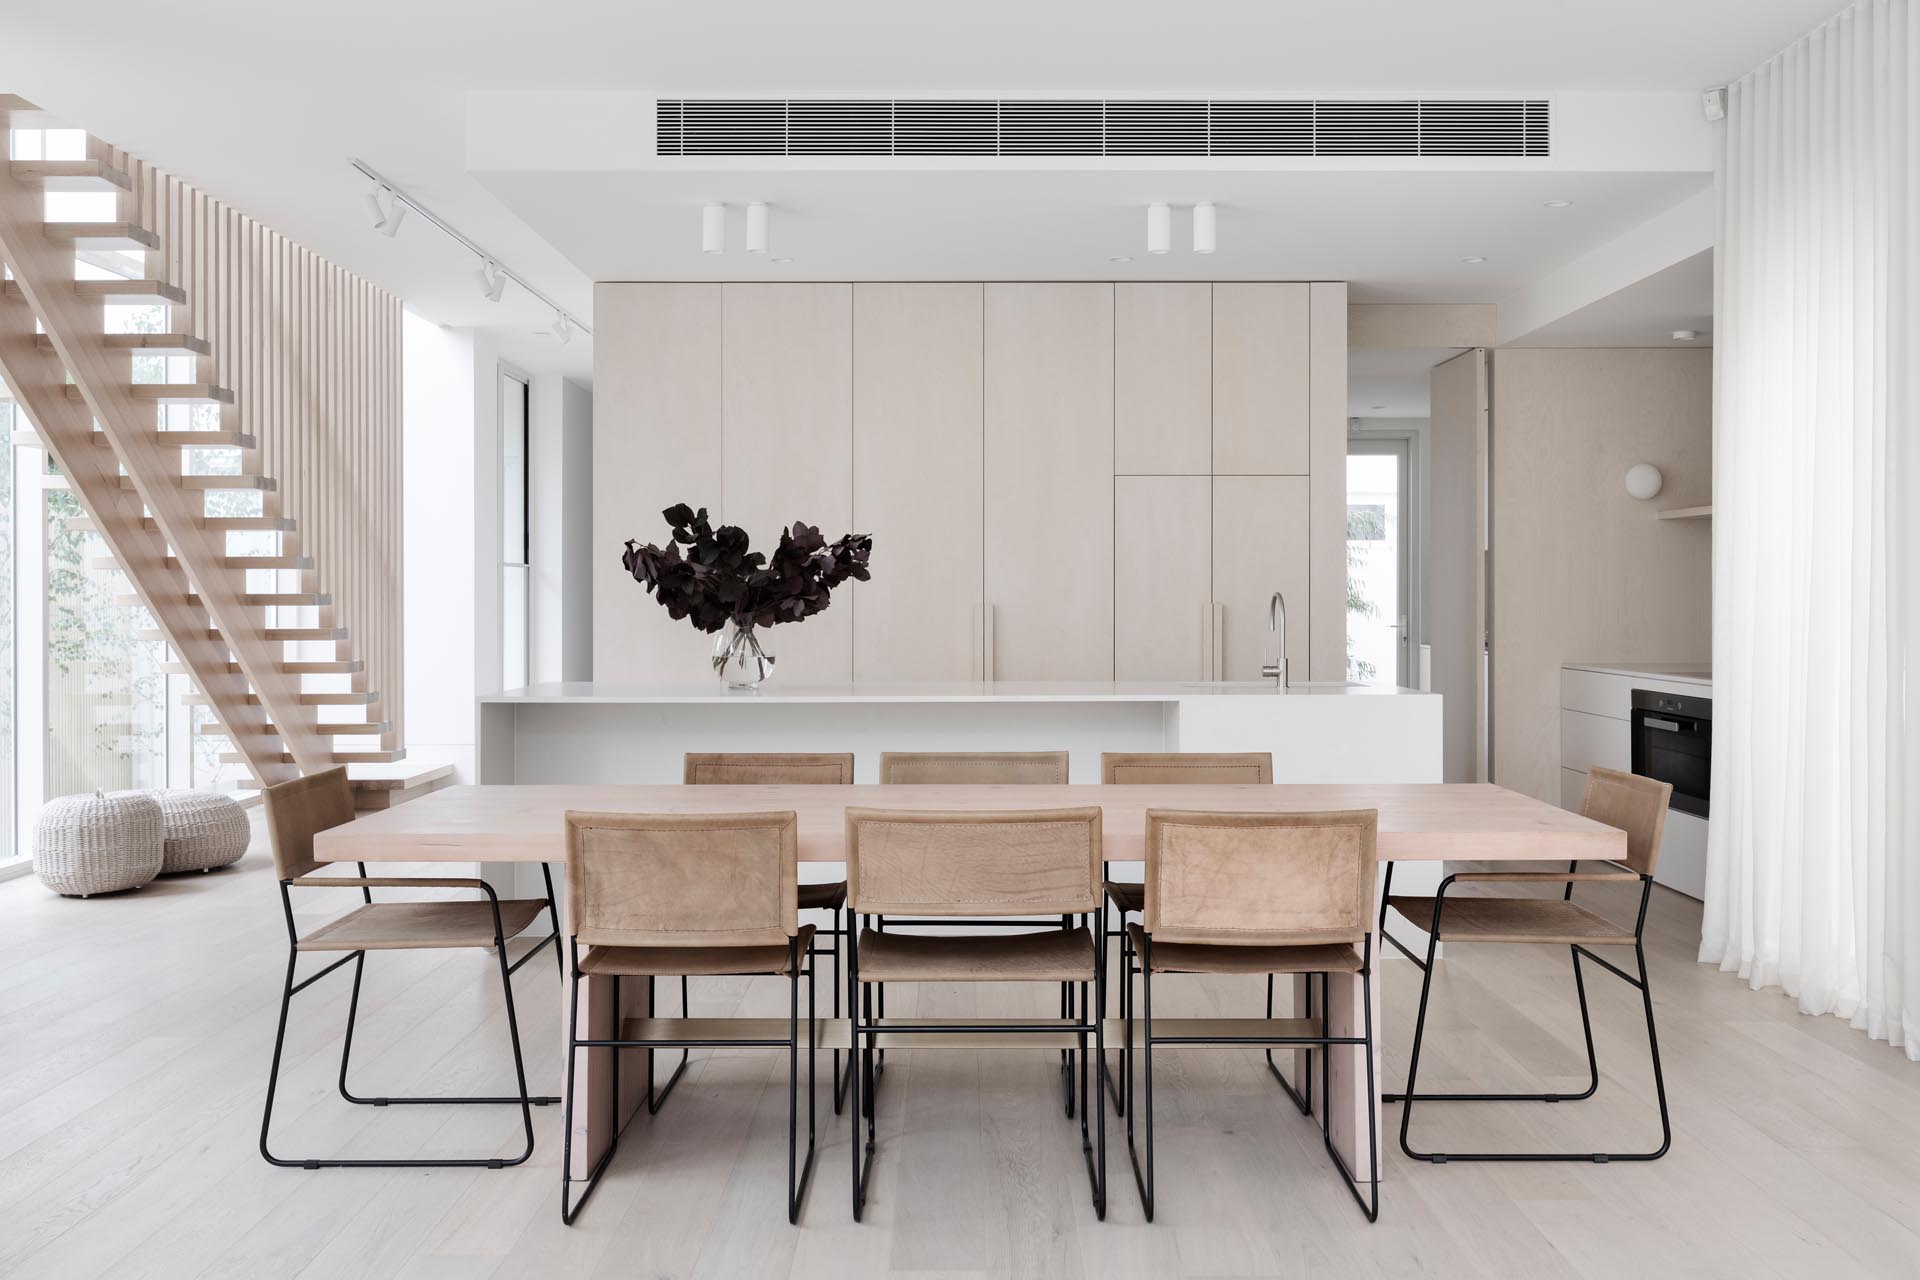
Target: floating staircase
x,y
192,522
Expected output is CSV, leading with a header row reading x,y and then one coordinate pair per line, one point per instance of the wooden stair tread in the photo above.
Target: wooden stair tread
x,y
156,293
302,667
346,698
337,757
72,175
193,439
365,730
123,236
226,562
263,484
168,392
259,600
271,633
144,344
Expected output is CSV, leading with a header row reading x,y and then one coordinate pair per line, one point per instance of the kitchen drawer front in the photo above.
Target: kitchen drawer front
x,y
1587,740
1606,694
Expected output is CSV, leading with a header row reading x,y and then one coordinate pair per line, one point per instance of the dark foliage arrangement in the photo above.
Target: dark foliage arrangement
x,y
718,580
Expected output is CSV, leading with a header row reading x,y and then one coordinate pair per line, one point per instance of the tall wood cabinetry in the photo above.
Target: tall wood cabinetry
x,y
1064,481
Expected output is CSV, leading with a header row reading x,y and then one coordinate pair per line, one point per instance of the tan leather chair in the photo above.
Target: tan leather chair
x,y
962,867
1635,805
1127,898
789,769
1256,893
653,895
981,768
297,811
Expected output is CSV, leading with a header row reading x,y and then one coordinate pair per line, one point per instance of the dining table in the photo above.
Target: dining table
x,y
1423,822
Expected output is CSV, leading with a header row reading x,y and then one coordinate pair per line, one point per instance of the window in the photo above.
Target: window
x,y
515,537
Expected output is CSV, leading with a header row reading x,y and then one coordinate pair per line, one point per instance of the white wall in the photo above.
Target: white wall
x,y
441,533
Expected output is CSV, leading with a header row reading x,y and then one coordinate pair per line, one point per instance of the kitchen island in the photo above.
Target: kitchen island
x,y
621,733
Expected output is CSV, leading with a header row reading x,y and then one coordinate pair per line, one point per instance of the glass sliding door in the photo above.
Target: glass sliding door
x,y
516,572
1379,581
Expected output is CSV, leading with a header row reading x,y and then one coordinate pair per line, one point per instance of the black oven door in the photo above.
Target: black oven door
x,y
1673,742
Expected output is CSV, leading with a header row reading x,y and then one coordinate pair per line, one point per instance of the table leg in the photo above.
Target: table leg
x,y
596,1116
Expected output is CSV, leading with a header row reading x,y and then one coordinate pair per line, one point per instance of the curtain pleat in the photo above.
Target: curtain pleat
x,y
1813,879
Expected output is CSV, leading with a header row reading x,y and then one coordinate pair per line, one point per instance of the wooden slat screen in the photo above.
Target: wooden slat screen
x,y
313,355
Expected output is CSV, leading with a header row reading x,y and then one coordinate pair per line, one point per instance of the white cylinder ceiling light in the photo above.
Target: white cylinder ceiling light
x,y
1159,228
713,229
757,227
1203,227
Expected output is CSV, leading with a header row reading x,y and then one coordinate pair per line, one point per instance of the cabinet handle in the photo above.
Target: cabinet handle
x,y
1219,641
983,641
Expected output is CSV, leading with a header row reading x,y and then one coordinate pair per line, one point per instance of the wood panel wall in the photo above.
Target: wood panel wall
x,y
312,353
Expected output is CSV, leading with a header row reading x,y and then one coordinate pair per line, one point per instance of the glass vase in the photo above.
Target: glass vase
x,y
738,659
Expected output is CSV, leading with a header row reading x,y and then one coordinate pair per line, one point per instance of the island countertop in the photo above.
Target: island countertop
x,y
710,691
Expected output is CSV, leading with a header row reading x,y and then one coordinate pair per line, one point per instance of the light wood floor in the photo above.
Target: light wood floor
x,y
135,1031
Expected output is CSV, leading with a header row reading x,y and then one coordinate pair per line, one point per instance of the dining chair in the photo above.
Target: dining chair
x,y
962,868
1256,894
791,768
707,894
1161,769
1627,801
301,808
980,768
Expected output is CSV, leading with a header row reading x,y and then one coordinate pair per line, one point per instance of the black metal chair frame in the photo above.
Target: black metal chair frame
x,y
1143,1179
798,1173
525,1101
1302,1098
1409,1097
1090,1022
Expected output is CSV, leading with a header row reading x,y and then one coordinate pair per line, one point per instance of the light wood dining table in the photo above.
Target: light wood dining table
x,y
1417,822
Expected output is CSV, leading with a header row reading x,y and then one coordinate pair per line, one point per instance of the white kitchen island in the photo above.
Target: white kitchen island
x,y
608,733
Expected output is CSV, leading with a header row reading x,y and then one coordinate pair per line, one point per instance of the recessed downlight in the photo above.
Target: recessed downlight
x,y
1559,204
1476,258
1685,335
780,262
1120,257
1376,406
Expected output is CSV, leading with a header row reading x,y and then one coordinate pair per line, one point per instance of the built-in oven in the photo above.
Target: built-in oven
x,y
1673,742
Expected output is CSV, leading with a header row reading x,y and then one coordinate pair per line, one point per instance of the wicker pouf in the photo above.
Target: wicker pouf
x,y
83,845
204,830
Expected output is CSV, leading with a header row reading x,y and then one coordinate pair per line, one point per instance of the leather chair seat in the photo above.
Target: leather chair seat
x,y
1196,957
698,962
830,896
1048,955
408,926
1127,897
1551,920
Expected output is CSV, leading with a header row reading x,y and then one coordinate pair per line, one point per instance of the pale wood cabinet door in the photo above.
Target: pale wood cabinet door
x,y
1162,577
787,451
1260,531
657,443
1049,481
1163,380
918,441
1260,379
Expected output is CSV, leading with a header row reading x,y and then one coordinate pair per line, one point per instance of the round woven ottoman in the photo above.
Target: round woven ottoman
x,y
83,845
204,830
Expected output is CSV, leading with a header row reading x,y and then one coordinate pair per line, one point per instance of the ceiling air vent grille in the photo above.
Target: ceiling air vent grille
x,y
1092,127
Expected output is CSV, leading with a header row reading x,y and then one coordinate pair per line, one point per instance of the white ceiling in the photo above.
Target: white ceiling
x,y
263,104
1644,314
1392,382
1396,235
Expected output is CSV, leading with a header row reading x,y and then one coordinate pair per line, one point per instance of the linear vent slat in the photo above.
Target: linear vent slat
x,y
1091,127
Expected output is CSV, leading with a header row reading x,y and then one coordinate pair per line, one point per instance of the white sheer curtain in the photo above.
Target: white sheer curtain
x,y
1813,882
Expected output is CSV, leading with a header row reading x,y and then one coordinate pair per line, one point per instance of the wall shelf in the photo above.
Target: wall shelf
x,y
1688,513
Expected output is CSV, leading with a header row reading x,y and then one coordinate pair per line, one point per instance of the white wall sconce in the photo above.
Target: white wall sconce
x,y
1203,227
1644,480
713,229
